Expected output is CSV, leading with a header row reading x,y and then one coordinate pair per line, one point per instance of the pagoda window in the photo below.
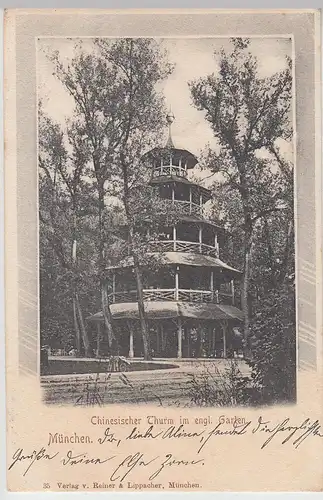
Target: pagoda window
x,y
182,192
194,278
163,278
208,236
165,191
186,232
175,161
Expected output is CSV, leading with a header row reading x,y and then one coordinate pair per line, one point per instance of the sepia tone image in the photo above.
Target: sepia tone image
x,y
163,250
166,221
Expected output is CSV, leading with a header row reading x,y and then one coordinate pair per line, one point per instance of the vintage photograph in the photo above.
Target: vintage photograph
x,y
163,227
166,221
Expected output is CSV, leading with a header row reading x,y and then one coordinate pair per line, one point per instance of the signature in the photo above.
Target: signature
x,y
138,460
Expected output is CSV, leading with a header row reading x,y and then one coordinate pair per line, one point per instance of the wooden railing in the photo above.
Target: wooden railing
x,y
169,170
197,296
183,246
173,294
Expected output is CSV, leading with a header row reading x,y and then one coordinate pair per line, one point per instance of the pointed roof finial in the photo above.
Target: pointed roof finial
x,y
170,118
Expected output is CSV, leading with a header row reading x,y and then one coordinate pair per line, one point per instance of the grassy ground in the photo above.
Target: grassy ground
x,y
162,387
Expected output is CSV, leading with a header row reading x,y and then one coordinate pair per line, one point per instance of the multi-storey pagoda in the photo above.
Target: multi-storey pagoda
x,y
190,301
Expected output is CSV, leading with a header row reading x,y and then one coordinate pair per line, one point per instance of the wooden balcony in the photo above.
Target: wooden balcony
x,y
183,246
168,171
173,294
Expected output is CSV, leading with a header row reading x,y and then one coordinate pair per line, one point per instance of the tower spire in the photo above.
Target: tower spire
x,y
170,118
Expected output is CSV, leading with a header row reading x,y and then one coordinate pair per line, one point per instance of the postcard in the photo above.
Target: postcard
x,y
163,243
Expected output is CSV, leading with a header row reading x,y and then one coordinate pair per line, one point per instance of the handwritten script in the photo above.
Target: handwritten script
x,y
119,466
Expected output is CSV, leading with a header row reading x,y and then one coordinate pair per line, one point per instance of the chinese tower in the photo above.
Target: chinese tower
x,y
190,301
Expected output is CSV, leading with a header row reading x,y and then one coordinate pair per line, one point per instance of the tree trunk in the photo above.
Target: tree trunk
x,y
245,292
108,320
141,309
78,315
76,328
84,335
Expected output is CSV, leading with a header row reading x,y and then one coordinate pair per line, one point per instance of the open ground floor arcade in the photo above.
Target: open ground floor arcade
x,y
186,332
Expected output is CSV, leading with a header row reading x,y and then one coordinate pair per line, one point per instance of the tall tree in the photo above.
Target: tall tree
x,y
91,83
248,114
62,192
139,66
119,116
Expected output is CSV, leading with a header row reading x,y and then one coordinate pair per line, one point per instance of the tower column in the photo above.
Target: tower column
x,y
232,291
216,244
174,238
213,342
200,238
176,282
179,337
224,333
212,284
131,347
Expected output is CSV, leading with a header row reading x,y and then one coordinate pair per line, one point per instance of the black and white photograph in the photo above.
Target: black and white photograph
x,y
166,221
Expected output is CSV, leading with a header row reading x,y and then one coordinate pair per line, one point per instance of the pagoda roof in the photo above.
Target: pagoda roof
x,y
188,218
168,310
182,258
200,219
175,152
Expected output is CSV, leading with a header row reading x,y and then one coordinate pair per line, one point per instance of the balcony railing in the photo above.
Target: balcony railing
x,y
184,207
169,170
173,294
183,246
